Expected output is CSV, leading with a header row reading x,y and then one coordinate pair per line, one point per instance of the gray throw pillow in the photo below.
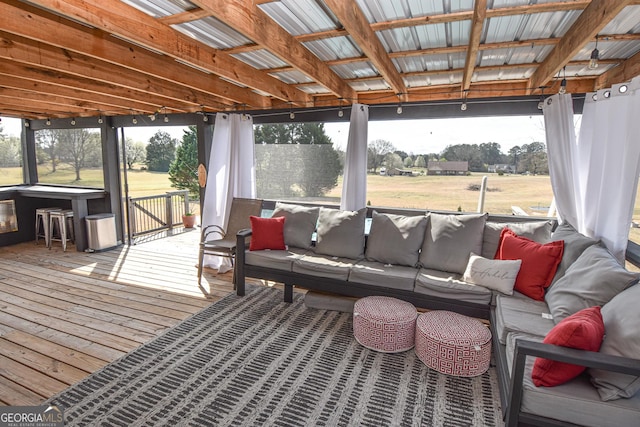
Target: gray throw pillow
x,y
621,319
341,233
396,239
574,244
450,239
593,279
538,231
299,223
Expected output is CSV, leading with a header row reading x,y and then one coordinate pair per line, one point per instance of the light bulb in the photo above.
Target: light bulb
x,y
205,118
340,112
166,118
134,121
563,86
399,109
48,122
100,120
595,56
73,122
292,115
463,106
540,105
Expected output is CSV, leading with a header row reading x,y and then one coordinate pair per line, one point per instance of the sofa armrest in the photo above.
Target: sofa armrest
x,y
590,359
241,247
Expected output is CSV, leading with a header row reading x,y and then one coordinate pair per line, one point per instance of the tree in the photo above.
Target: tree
x,y
376,151
490,153
465,152
183,172
78,147
420,162
46,140
10,150
534,158
408,162
514,156
392,161
161,151
136,152
296,159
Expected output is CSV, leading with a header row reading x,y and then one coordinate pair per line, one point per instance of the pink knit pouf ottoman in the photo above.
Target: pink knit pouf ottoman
x,y
385,324
453,344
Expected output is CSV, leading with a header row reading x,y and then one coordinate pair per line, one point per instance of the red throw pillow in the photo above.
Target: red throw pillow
x,y
583,330
267,233
539,262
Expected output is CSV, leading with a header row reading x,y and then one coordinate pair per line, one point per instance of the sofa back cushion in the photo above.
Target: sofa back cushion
x,y
574,244
341,233
396,239
299,225
450,239
539,262
593,279
621,319
538,231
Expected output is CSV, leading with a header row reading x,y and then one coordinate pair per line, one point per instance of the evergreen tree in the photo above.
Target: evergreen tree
x,y
183,172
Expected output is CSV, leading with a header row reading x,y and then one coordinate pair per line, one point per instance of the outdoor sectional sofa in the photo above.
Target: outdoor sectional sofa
x,y
444,261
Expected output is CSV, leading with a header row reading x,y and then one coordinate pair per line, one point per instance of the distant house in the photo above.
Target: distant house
x,y
502,167
447,168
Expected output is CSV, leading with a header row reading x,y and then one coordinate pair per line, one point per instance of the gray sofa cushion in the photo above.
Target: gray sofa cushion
x,y
578,402
518,313
450,239
384,275
593,279
621,319
323,266
450,286
538,231
280,260
574,244
299,224
396,239
341,233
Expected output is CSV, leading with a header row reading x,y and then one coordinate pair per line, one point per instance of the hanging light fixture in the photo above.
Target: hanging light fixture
x,y
134,120
399,109
595,56
292,115
48,122
541,102
340,112
100,120
73,121
463,106
563,83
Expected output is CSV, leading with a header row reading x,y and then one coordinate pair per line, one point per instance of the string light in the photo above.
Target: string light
x,y
563,83
340,112
463,106
134,120
100,120
48,122
73,122
399,109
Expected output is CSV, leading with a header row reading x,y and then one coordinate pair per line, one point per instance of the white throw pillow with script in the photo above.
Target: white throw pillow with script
x,y
496,274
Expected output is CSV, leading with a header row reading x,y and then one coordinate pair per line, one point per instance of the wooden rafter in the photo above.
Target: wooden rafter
x,y
120,19
477,23
354,21
625,71
256,25
590,22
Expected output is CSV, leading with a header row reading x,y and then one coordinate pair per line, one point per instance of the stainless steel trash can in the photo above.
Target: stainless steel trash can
x,y
101,232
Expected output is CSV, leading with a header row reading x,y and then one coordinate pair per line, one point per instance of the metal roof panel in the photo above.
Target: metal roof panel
x,y
300,16
334,48
213,33
260,59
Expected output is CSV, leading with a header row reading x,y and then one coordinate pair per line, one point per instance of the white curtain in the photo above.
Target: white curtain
x,y
606,162
231,173
354,186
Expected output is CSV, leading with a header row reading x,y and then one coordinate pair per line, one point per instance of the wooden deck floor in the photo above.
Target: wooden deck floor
x,y
64,315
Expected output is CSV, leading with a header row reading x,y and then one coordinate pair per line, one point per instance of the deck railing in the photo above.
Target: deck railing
x,y
156,213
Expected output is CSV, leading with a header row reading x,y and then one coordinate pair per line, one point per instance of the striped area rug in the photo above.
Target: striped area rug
x,y
255,360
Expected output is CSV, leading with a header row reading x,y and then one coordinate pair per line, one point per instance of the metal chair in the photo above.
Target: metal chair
x,y
42,224
62,222
225,244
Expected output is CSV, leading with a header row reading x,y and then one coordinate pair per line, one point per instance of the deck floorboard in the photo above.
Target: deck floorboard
x,y
67,314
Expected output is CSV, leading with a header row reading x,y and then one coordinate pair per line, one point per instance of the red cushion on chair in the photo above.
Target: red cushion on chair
x,y
583,330
267,233
539,262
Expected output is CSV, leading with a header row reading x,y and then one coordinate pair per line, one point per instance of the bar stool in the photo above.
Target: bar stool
x,y
64,221
42,217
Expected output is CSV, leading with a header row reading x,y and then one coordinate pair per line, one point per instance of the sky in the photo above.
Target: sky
x,y
411,136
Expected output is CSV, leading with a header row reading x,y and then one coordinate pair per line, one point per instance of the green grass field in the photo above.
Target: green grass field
x,y
531,193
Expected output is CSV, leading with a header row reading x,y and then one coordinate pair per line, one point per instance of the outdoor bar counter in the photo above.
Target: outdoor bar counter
x,y
30,197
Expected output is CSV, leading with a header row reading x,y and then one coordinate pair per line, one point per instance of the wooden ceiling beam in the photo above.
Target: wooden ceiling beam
x,y
61,101
184,17
625,71
590,22
97,44
44,89
57,78
353,20
34,53
477,23
248,19
44,105
116,17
